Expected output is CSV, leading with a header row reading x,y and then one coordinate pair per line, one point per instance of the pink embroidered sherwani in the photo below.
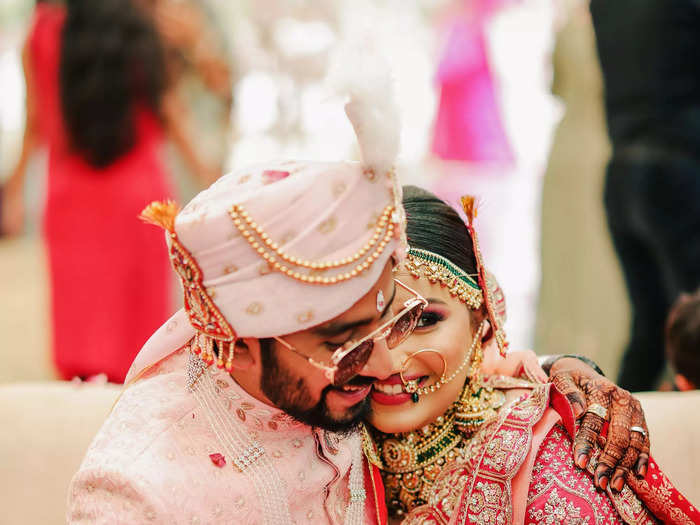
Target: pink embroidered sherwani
x,y
150,462
267,250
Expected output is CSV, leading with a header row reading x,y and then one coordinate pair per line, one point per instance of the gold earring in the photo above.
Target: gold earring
x,y
477,403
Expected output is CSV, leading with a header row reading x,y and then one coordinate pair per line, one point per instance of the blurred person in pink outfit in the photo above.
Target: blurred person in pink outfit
x,y
98,98
469,126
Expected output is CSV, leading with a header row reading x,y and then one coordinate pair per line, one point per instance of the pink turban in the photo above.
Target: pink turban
x,y
318,212
280,247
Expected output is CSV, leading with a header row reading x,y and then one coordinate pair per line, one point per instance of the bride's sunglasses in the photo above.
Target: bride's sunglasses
x,y
349,359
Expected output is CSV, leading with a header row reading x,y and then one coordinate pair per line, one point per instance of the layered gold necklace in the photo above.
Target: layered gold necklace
x,y
410,462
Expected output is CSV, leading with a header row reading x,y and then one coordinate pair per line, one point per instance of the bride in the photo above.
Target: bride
x,y
459,438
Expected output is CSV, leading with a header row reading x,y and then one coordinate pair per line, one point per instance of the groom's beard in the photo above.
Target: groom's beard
x,y
289,392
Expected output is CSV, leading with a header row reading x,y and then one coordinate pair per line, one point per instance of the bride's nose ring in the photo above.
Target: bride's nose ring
x,y
411,386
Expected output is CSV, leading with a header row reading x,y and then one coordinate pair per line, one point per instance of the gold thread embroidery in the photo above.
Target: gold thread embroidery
x,y
558,510
338,189
370,174
254,308
305,317
287,238
328,225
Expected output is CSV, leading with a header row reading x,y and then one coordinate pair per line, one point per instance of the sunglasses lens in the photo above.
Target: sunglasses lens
x,y
404,326
351,364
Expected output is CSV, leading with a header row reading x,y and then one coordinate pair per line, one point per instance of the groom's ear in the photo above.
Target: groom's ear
x,y
246,353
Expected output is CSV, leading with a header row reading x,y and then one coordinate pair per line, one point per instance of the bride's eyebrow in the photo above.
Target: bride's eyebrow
x,y
435,300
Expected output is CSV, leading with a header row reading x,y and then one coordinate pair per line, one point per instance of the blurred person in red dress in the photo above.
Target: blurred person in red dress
x,y
99,99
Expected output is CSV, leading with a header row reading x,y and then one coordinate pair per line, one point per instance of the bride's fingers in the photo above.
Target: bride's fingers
x,y
533,370
566,386
623,414
586,438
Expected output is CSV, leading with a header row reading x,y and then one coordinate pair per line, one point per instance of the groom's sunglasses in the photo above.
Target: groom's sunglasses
x,y
349,359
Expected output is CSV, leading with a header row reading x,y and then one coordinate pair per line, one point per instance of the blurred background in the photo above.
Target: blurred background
x,y
502,99
576,123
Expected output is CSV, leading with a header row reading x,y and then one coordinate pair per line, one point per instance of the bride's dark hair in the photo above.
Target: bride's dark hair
x,y
111,61
434,225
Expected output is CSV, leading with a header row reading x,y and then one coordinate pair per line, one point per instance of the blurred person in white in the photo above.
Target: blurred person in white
x,y
200,71
683,341
649,51
289,289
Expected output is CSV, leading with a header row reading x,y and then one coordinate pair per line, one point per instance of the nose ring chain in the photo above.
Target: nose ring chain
x,y
411,386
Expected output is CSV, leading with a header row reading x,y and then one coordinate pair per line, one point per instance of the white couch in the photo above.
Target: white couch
x,y
674,428
46,428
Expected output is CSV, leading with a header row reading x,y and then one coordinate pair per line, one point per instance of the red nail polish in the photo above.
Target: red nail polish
x,y
582,460
603,482
618,484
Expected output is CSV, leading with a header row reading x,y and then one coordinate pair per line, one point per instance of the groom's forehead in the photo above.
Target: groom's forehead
x,y
365,311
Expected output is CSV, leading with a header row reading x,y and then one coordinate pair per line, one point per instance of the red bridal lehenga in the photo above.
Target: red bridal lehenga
x,y
518,468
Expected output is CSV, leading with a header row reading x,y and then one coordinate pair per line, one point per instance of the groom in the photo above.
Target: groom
x,y
241,408
287,276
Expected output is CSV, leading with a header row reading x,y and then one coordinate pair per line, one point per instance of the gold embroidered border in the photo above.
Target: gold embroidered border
x,y
520,417
556,482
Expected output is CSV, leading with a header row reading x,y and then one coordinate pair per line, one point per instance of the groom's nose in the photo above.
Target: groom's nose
x,y
379,365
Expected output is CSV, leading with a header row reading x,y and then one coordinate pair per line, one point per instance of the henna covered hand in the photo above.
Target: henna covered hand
x,y
626,448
